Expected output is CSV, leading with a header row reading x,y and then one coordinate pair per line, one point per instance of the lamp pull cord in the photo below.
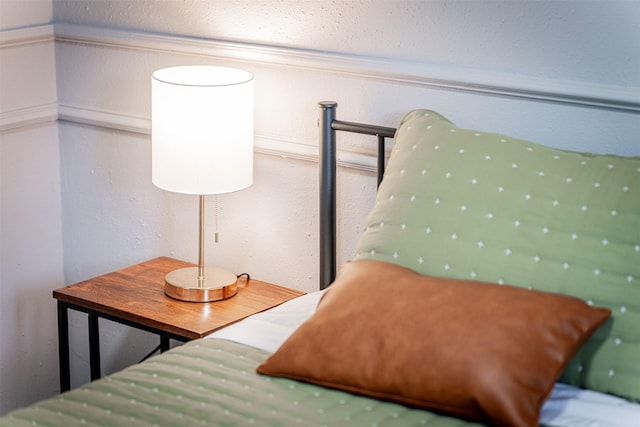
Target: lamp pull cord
x,y
201,242
215,204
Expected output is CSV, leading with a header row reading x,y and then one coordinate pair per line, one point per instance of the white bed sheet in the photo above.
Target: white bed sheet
x,y
567,406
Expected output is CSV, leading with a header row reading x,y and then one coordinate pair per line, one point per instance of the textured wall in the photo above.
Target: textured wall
x,y
598,41
25,13
537,70
561,73
30,205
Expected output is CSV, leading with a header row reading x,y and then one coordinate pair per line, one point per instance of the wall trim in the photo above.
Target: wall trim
x,y
446,78
36,114
26,117
262,144
310,153
104,119
26,36
382,69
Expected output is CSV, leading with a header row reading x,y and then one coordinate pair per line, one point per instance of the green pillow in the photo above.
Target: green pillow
x,y
472,205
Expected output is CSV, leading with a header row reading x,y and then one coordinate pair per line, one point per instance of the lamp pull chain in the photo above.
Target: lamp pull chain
x,y
215,202
201,244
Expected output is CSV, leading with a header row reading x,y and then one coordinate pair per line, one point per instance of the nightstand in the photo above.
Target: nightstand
x,y
134,296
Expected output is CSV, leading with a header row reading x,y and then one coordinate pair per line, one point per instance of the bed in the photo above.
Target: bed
x,y
497,282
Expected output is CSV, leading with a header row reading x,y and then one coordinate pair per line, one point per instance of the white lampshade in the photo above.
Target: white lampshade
x,y
202,129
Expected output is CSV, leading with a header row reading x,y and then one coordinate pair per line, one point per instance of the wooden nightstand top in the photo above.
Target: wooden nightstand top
x,y
136,294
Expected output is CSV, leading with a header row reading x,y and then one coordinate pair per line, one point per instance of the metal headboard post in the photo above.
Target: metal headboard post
x,y
328,126
327,194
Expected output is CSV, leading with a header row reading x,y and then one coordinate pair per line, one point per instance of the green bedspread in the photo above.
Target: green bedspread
x,y
213,382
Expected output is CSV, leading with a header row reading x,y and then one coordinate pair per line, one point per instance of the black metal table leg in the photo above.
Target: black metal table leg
x,y
94,346
94,340
63,347
164,343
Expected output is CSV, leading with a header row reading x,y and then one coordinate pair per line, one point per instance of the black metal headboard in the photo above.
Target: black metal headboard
x,y
328,127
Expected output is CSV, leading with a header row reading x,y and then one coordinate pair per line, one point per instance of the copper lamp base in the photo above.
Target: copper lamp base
x,y
185,285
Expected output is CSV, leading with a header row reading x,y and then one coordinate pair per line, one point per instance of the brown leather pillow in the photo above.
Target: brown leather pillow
x,y
484,352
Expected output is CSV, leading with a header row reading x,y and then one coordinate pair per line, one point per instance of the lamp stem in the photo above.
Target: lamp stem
x,y
190,283
201,245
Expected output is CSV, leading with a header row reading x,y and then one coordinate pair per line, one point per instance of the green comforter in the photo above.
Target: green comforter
x,y
212,382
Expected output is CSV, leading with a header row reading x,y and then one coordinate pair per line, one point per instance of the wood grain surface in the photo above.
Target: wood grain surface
x,y
136,294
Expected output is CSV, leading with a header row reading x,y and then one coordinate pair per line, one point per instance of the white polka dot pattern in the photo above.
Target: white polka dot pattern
x,y
213,382
486,207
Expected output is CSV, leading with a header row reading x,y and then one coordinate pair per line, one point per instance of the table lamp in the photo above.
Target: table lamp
x,y
202,144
